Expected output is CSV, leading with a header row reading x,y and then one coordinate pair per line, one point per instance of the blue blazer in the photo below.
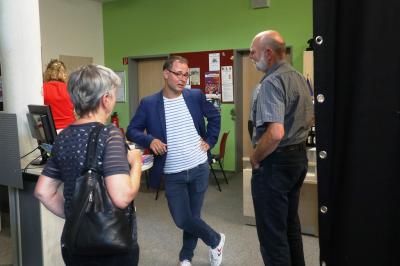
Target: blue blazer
x,y
150,116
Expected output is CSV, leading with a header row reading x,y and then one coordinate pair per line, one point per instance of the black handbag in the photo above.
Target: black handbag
x,y
95,225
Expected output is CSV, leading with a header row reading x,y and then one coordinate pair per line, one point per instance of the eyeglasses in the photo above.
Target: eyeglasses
x,y
179,74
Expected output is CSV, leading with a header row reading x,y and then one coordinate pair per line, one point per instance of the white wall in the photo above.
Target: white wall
x,y
71,27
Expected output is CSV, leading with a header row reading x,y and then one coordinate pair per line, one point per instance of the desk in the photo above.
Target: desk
x,y
308,206
40,230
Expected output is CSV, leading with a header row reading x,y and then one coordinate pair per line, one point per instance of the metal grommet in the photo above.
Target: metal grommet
x,y
320,98
323,209
323,154
319,40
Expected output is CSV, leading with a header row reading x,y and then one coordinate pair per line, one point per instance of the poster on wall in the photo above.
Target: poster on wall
x,y
212,87
121,88
226,84
212,81
214,61
194,76
187,85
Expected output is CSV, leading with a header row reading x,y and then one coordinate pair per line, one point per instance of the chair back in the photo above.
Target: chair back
x,y
222,145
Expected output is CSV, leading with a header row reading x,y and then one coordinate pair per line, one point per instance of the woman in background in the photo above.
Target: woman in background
x,y
56,95
93,92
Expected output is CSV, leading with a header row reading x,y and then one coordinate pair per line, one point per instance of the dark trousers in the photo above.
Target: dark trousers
x,y
276,189
185,194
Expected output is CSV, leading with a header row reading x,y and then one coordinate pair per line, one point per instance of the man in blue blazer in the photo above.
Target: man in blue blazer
x,y
171,123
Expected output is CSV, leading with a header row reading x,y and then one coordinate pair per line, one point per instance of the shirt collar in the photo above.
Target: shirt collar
x,y
273,68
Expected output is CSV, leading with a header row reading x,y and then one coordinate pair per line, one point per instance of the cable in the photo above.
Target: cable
x,y
30,152
29,168
26,167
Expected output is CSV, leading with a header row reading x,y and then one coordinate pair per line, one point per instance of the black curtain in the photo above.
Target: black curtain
x,y
357,104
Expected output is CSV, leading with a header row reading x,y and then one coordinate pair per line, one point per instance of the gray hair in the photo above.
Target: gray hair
x,y
88,84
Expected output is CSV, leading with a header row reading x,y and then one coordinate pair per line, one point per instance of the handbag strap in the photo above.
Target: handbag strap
x,y
91,151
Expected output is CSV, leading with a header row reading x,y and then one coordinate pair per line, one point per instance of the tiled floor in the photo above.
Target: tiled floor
x,y
223,210
5,246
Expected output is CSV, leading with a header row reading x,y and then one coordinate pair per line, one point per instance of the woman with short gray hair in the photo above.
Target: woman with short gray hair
x,y
87,85
93,93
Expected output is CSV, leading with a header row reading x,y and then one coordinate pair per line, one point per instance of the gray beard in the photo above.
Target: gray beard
x,y
261,65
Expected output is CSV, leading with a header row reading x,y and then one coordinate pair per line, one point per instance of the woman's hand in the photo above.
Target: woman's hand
x,y
134,156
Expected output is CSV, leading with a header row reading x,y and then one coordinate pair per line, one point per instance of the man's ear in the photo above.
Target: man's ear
x,y
268,54
165,73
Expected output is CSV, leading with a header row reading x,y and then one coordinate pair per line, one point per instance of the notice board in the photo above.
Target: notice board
x,y
211,72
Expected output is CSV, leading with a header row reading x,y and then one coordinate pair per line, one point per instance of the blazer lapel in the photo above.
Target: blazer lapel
x,y
161,114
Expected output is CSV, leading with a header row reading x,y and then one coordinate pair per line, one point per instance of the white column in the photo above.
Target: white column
x,y
20,58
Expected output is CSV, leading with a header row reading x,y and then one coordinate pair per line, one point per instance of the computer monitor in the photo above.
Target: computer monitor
x,y
42,127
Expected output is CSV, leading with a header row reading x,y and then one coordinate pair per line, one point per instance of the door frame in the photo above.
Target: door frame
x,y
238,100
133,80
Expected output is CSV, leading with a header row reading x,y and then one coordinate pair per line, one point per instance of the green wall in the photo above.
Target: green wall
x,y
151,27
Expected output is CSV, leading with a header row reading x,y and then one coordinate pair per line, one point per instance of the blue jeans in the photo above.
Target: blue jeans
x,y
185,194
276,189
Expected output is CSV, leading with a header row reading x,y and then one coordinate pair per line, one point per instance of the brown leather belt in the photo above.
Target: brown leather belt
x,y
294,147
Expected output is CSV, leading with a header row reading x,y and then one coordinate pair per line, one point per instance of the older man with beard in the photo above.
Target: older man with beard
x,y
281,112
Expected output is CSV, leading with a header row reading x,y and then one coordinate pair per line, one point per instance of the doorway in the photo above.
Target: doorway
x,y
144,77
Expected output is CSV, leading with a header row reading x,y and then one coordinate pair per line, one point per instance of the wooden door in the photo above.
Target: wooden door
x,y
150,78
251,77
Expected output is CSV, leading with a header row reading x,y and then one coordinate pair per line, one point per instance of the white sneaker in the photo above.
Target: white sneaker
x,y
185,263
216,253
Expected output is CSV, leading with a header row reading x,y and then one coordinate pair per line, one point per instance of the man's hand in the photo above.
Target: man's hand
x,y
268,142
158,147
254,163
204,145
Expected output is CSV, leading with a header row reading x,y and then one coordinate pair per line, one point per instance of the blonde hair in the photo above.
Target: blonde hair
x,y
55,71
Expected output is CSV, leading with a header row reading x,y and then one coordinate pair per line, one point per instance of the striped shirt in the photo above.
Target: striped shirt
x,y
183,140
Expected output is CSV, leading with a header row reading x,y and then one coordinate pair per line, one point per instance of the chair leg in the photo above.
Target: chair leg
x,y
223,172
158,189
216,180
146,175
